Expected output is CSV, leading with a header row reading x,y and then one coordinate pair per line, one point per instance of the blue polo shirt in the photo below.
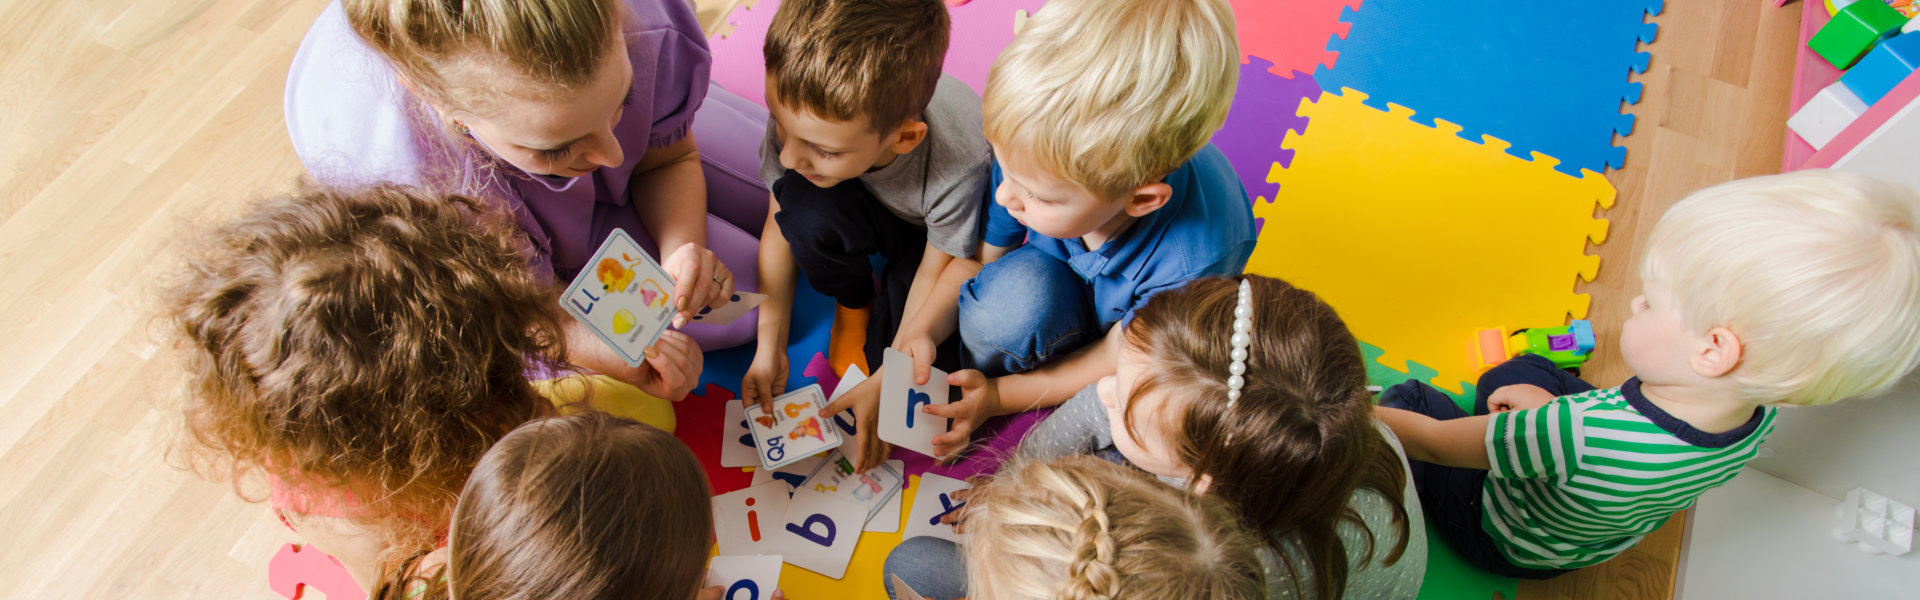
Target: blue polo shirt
x,y
1206,228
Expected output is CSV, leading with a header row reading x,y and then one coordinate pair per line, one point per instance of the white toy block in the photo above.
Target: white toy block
x,y
1875,523
1912,25
1826,114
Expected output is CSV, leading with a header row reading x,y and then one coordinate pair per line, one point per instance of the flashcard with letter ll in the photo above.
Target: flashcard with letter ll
x,y
794,430
820,532
902,423
737,306
933,499
871,489
747,521
623,296
745,577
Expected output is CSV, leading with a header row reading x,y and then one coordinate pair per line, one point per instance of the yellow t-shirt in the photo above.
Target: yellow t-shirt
x,y
607,395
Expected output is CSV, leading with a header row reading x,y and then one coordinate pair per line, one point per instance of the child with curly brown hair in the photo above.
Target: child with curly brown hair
x,y
359,350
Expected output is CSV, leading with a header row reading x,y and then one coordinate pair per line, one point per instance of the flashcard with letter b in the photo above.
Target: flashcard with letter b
x,y
623,296
821,531
902,423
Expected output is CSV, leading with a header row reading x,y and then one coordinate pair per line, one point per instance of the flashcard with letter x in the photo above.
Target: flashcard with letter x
x,y
745,577
932,499
794,430
623,296
821,531
902,422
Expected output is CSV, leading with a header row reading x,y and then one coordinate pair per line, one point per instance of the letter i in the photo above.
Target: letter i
x,y
753,521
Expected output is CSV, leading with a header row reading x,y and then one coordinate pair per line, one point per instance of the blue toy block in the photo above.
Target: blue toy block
x,y
1884,67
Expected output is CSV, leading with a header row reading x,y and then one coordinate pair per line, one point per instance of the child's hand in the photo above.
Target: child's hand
x,y
864,401
1519,396
700,279
766,378
920,348
958,516
672,367
979,401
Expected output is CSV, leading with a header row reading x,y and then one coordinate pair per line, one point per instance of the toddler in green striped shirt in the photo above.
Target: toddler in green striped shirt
x,y
1788,290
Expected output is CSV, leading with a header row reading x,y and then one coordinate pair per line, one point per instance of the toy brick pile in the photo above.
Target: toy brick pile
x,y
1877,44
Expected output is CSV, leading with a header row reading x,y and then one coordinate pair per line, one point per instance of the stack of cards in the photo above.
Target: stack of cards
x,y
794,430
818,527
627,299
902,422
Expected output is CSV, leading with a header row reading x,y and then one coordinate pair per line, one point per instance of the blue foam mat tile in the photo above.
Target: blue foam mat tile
x,y
1549,77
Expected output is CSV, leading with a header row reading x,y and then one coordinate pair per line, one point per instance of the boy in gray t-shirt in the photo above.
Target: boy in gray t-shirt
x,y
870,150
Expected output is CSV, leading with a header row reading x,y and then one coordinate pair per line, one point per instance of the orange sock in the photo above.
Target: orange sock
x,y
848,342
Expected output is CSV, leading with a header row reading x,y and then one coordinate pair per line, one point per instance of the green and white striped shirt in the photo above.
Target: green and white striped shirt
x,y
1585,477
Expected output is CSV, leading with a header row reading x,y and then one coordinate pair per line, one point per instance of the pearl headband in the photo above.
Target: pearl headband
x,y
1242,338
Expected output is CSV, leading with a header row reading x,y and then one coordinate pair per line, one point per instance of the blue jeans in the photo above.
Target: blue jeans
x,y
933,567
1022,311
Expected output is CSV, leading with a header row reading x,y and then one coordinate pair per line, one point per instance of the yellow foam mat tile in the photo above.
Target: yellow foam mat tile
x,y
1419,237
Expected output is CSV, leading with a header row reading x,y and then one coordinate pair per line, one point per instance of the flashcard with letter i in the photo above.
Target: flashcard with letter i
x,y
623,296
902,422
794,430
747,522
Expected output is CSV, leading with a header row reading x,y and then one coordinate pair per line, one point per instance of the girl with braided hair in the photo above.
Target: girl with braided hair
x,y
1252,391
1079,528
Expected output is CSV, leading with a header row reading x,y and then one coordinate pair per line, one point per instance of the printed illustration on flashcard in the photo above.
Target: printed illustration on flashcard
x,y
625,298
794,430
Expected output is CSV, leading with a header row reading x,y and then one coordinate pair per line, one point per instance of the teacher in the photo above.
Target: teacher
x,y
579,116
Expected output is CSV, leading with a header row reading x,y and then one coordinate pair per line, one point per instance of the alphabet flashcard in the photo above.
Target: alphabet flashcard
x,y
623,296
747,522
932,499
793,474
871,489
736,443
794,430
821,531
887,520
745,577
736,306
902,421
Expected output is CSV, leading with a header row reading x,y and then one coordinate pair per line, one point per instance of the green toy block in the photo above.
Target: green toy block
x,y
1854,31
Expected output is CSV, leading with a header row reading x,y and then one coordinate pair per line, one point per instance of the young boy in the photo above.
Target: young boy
x,y
1798,289
869,150
1106,191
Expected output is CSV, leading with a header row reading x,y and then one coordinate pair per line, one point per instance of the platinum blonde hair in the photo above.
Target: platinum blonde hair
x,y
1817,272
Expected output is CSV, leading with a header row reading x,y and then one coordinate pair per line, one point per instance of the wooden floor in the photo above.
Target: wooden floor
x,y
124,121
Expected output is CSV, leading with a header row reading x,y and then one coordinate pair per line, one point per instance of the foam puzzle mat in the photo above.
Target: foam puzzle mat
x,y
1549,77
1419,238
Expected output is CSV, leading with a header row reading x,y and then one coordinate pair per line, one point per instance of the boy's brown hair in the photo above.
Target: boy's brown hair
x,y
584,507
1303,437
362,347
844,59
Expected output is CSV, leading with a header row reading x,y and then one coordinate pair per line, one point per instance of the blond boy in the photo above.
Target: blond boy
x,y
1791,290
870,150
1106,191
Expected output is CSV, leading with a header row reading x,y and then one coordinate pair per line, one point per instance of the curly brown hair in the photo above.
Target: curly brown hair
x,y
364,346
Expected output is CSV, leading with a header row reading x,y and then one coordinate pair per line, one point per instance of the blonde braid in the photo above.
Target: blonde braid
x,y
1092,576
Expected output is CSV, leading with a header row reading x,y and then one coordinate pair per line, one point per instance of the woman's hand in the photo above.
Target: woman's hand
x,y
700,280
